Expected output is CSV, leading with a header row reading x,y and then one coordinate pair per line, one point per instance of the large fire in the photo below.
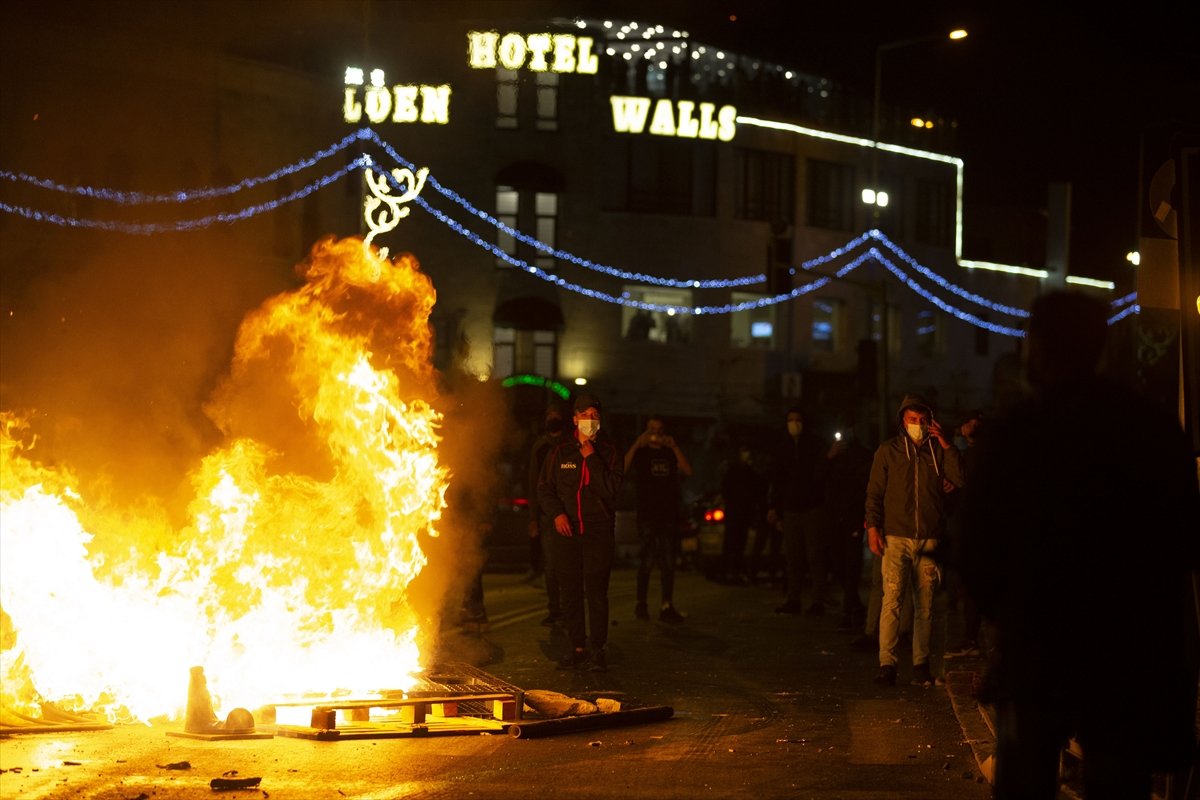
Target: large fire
x,y
291,571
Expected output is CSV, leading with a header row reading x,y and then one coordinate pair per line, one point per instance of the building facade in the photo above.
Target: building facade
x,y
609,203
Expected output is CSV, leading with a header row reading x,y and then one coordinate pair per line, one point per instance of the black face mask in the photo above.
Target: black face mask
x,y
554,425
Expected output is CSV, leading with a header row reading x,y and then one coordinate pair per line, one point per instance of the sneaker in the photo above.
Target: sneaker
x,y
865,643
921,676
640,611
967,648
551,620
598,662
670,615
886,675
576,659
789,608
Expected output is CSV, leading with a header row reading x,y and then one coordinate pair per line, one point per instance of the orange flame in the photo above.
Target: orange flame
x,y
292,567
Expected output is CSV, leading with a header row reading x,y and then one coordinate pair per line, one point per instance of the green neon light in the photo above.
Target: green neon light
x,y
536,380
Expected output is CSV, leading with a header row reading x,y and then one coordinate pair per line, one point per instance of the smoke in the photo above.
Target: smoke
x,y
111,344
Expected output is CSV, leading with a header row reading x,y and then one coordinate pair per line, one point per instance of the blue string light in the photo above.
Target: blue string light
x,y
369,135
942,282
188,195
911,283
145,228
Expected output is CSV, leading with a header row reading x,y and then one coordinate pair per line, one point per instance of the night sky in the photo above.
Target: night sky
x,y
1040,95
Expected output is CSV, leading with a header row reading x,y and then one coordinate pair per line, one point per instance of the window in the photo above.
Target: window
x,y
504,352
547,101
754,327
544,97
517,351
826,324
830,195
935,213
507,206
518,208
670,327
545,210
764,184
661,176
507,94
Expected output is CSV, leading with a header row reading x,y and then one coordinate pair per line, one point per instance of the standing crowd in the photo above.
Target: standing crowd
x,y
1044,524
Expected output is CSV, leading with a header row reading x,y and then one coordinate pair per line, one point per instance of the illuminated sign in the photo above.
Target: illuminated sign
x,y
678,118
401,103
556,52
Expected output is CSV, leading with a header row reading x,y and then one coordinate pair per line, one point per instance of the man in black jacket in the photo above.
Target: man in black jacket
x,y
578,490
796,502
1080,546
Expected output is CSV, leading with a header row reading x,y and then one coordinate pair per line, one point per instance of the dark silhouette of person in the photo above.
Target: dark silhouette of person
x,y
849,470
743,490
796,500
542,525
1079,542
656,466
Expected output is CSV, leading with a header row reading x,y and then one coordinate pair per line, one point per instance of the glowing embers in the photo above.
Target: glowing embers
x,y
289,568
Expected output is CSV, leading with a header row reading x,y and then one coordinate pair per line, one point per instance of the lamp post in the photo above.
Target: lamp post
x,y
955,35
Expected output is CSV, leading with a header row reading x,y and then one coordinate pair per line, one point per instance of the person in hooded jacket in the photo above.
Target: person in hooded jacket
x,y
578,489
905,517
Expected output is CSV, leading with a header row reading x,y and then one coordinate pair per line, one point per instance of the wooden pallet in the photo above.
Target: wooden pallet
x,y
454,700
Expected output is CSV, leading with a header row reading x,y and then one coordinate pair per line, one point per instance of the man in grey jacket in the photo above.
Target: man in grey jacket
x,y
905,511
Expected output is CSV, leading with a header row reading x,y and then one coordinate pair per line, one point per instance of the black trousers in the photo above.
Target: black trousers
x,y
583,563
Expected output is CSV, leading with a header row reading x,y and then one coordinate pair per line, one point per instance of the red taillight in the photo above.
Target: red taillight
x,y
718,514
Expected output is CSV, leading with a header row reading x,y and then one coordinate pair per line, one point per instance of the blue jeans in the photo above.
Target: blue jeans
x,y
909,569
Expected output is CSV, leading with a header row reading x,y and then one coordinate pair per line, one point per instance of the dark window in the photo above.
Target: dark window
x,y
830,195
935,213
764,182
646,173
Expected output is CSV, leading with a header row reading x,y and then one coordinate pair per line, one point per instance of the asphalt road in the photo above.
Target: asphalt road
x,y
762,706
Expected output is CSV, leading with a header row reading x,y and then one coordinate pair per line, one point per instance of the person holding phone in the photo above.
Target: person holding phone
x,y
905,518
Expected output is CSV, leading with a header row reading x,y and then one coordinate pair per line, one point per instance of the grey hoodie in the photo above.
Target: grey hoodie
x,y
905,494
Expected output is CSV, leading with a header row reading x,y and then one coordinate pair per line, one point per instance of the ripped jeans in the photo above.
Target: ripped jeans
x,y
908,566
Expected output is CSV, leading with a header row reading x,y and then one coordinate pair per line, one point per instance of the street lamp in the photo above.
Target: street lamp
x,y
878,198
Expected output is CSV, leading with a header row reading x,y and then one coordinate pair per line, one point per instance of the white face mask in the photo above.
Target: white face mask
x,y
589,427
794,428
916,432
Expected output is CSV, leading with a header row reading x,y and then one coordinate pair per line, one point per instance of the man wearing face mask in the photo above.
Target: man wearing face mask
x,y
796,503
578,488
541,526
905,516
